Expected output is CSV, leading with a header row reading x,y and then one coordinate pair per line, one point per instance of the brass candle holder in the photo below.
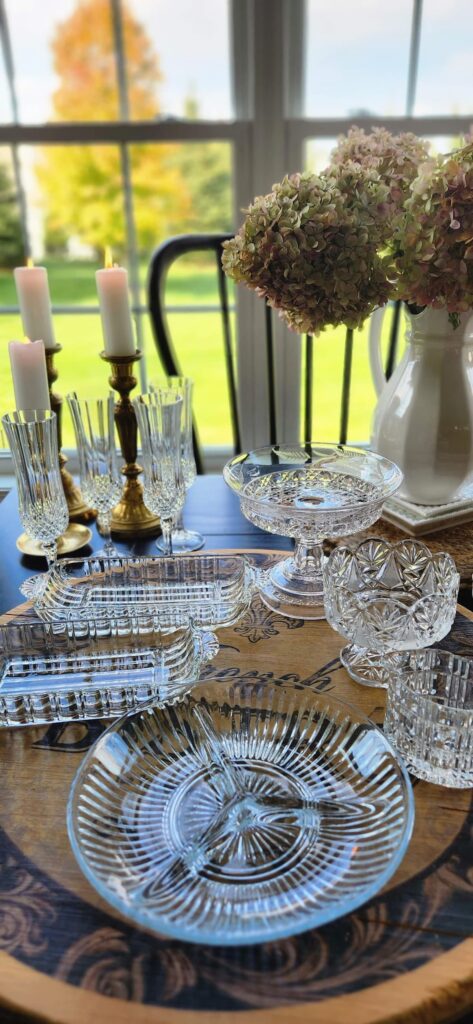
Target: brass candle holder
x,y
79,512
130,517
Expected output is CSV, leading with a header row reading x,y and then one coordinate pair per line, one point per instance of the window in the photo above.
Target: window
x,y
126,121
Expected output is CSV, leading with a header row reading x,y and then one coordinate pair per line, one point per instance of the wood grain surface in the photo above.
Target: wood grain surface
x,y
67,957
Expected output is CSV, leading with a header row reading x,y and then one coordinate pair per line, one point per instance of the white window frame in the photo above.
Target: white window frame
x,y
268,136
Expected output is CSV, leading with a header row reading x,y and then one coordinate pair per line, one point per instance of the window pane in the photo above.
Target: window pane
x,y
188,44
317,154
197,339
179,189
64,59
445,78
75,203
357,57
11,254
199,344
5,104
11,237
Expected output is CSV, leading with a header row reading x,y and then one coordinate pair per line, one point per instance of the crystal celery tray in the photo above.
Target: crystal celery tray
x,y
244,814
212,590
60,672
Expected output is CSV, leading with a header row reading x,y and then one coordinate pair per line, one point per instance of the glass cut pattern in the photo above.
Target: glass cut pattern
x,y
308,492
289,811
212,590
388,598
429,717
58,672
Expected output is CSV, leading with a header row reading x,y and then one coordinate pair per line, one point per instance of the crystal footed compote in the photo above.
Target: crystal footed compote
x,y
32,436
183,540
94,428
388,599
159,421
308,492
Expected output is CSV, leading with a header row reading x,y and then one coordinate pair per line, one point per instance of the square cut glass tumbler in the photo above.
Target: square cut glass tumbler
x,y
429,717
387,599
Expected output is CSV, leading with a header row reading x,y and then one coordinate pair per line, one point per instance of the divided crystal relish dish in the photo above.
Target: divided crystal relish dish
x,y
242,815
309,492
212,590
388,599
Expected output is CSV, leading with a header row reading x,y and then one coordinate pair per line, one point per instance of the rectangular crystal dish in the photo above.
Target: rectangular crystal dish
x,y
210,590
60,672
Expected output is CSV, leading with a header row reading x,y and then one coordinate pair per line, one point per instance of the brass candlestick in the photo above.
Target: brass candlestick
x,y
130,517
79,512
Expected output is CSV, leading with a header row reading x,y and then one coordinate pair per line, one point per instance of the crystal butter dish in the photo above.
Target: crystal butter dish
x,y
212,590
53,673
242,815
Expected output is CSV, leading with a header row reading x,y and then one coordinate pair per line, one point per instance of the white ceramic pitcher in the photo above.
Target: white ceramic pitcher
x,y
424,417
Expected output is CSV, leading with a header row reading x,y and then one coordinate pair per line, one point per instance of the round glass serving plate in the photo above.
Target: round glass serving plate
x,y
309,492
241,814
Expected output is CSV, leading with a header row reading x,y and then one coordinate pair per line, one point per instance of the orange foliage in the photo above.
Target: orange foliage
x,y
82,185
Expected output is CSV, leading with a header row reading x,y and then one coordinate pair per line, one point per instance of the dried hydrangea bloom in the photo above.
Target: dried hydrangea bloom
x,y
395,158
434,246
310,248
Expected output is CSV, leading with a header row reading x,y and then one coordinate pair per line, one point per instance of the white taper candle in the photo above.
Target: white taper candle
x,y
34,301
117,326
30,379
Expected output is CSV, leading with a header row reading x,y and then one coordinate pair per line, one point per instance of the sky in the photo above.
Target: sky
x,y
357,55
193,51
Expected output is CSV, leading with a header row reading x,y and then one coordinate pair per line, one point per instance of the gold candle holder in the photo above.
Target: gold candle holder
x,y
79,512
130,517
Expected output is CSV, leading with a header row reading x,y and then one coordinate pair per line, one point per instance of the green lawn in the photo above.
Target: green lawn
x,y
198,341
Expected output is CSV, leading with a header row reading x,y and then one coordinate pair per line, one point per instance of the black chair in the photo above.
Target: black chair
x,y
161,260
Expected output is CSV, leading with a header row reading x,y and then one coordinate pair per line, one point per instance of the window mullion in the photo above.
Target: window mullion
x,y
130,226
414,56
265,159
17,175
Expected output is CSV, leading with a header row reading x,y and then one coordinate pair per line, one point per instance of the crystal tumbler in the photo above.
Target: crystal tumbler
x,y
388,598
429,717
32,436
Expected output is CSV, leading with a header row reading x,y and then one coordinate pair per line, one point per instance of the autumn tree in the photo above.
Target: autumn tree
x,y
12,250
82,185
207,170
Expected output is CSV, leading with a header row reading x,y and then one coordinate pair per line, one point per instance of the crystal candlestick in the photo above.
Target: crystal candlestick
x,y
130,517
79,512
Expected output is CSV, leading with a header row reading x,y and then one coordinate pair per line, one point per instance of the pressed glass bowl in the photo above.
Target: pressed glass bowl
x,y
212,590
387,598
429,717
308,492
286,810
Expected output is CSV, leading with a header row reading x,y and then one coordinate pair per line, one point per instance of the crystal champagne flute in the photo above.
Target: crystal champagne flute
x,y
32,437
183,540
159,420
94,428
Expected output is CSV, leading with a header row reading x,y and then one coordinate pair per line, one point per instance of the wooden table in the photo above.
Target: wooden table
x,y
67,957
